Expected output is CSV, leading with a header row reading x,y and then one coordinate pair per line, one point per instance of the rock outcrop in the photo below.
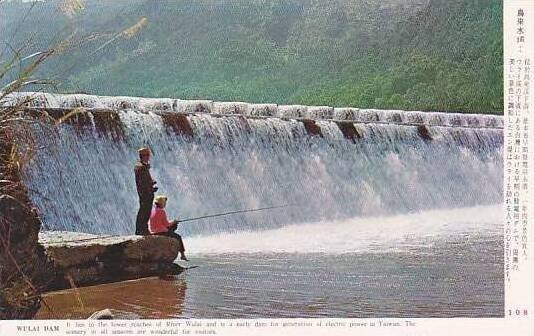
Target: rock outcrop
x,y
23,266
81,259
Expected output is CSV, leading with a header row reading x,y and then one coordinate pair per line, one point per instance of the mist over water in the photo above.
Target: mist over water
x,y
393,234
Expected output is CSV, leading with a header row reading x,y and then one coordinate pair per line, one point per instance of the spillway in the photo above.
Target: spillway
x,y
210,157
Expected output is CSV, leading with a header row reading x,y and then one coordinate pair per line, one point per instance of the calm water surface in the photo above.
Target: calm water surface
x,y
452,279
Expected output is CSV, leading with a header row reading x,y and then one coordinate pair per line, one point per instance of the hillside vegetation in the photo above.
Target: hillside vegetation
x,y
440,55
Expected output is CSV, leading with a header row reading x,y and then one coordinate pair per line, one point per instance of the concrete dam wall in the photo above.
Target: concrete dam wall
x,y
47,100
210,157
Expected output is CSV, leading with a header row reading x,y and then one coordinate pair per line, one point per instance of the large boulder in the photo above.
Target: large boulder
x,y
85,259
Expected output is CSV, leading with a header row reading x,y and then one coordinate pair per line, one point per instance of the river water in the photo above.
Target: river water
x,y
446,263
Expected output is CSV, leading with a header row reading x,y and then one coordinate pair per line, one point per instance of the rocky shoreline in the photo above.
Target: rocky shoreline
x,y
81,259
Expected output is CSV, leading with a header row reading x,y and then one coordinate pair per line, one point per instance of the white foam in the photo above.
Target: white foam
x,y
371,234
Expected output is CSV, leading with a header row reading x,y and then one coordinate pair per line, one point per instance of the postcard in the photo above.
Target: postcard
x,y
267,167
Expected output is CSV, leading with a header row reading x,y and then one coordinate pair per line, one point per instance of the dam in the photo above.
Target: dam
x,y
393,213
211,157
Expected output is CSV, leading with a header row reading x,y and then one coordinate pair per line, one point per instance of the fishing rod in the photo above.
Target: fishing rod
x,y
236,212
180,221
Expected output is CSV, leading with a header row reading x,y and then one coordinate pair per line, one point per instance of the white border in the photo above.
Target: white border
x,y
519,292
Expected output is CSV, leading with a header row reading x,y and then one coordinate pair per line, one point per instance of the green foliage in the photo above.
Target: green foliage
x,y
409,54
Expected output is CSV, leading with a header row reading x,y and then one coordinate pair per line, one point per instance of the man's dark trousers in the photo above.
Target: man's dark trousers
x,y
143,215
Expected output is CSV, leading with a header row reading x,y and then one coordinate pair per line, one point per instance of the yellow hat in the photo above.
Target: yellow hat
x,y
159,199
144,151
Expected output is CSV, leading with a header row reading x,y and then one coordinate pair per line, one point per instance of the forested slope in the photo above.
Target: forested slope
x,y
443,55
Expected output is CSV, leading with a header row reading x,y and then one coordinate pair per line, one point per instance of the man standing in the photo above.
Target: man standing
x,y
145,189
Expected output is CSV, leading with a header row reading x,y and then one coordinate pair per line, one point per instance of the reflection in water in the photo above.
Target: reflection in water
x,y
145,298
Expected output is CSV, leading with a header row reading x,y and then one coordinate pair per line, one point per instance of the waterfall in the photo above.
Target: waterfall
x,y
210,157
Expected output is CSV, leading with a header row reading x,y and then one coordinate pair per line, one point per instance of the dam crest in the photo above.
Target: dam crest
x,y
140,104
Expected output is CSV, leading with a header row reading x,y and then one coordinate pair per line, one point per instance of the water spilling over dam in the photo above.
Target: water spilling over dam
x,y
211,157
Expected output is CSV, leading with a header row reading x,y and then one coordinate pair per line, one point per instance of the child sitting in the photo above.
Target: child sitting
x,y
159,225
